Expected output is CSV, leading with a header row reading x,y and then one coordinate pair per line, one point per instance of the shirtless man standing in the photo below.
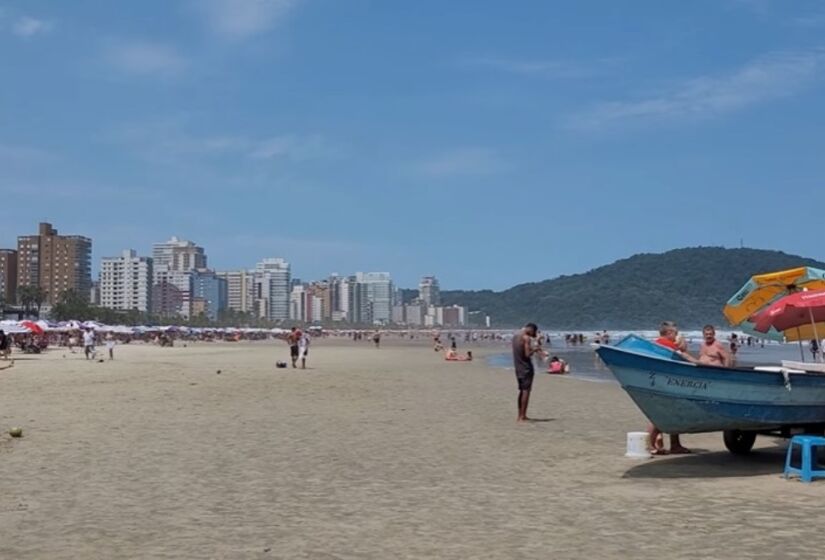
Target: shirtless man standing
x,y
293,338
523,350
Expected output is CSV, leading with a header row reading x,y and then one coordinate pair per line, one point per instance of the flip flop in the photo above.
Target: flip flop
x,y
658,452
680,451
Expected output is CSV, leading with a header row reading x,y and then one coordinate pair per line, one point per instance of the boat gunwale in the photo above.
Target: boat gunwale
x,y
748,370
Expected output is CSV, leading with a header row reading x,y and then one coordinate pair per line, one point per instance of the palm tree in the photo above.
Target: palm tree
x,y
32,298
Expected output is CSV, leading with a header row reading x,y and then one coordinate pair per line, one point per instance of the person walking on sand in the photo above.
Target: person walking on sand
x,y
523,350
303,349
89,344
110,345
293,338
5,345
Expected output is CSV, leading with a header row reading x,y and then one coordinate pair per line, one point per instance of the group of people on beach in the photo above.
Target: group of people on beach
x,y
711,353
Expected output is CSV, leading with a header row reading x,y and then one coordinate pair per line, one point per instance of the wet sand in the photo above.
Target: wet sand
x,y
389,453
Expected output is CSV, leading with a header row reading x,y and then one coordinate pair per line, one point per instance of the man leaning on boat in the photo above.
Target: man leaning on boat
x,y
668,334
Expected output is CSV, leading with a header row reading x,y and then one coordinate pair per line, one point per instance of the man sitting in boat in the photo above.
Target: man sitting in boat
x,y
668,333
712,352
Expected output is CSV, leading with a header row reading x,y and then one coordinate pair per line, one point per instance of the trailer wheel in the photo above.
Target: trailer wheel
x,y
739,442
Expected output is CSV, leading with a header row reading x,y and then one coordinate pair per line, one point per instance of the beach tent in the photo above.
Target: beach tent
x,y
12,327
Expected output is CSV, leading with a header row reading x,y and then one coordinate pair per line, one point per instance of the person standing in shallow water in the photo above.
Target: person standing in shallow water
x,y
523,350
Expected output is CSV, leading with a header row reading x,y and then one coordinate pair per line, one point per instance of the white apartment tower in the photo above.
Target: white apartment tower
x,y
379,295
126,282
174,261
178,255
272,287
429,291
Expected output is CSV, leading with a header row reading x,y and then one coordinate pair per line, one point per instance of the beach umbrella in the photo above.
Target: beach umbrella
x,y
763,289
749,328
31,326
799,316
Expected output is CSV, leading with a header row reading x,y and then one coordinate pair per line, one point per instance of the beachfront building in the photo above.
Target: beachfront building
x,y
54,263
339,293
414,314
178,254
174,262
454,316
210,290
8,276
429,291
240,290
360,311
171,293
272,289
126,282
379,296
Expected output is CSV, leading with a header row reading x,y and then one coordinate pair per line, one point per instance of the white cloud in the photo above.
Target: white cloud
x,y
543,68
239,19
774,76
146,59
168,141
463,161
810,20
172,141
28,26
296,148
15,153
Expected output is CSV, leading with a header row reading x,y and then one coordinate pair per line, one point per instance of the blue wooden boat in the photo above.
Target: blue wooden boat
x,y
681,397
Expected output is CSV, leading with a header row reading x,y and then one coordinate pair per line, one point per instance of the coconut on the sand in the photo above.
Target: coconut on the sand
x,y
16,432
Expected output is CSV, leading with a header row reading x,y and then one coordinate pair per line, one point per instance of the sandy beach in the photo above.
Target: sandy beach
x,y
389,453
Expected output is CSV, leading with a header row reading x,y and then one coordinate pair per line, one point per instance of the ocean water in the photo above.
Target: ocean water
x,y
585,365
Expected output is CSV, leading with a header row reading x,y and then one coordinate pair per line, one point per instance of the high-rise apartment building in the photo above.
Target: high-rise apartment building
x,y
8,276
240,290
360,310
338,298
174,262
379,292
126,282
429,291
55,263
272,288
210,289
178,254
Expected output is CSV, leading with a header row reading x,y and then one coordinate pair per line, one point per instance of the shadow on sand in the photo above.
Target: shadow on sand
x,y
716,464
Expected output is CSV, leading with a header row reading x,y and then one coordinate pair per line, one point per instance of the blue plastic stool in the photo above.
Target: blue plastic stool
x,y
806,469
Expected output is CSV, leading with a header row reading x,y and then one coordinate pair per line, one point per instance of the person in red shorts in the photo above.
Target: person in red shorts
x,y
668,333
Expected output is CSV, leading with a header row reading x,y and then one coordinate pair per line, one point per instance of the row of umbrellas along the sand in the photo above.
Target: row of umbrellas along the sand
x,y
41,327
786,305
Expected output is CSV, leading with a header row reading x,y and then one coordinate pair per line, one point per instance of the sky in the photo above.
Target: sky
x,y
487,142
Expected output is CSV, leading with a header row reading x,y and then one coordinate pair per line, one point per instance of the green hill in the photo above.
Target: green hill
x,y
689,286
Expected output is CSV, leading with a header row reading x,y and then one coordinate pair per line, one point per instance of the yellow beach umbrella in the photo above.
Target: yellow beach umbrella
x,y
808,331
763,289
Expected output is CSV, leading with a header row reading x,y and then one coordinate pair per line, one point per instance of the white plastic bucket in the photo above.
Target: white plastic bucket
x,y
637,445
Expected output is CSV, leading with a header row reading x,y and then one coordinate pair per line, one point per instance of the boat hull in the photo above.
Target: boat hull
x,y
680,397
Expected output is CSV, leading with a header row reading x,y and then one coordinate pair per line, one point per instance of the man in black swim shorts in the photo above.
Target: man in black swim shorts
x,y
293,338
523,351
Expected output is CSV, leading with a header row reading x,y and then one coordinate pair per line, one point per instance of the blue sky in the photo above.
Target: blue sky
x,y
487,142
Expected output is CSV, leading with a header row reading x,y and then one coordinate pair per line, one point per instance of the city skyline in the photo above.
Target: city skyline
x,y
437,139
176,282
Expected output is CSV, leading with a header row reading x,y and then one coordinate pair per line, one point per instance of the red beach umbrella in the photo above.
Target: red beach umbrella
x,y
799,315
32,326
